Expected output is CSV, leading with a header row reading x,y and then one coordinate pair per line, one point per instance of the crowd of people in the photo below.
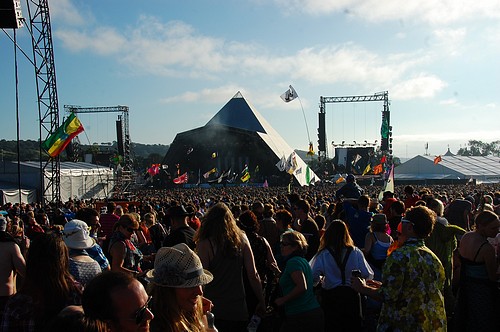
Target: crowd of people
x,y
322,258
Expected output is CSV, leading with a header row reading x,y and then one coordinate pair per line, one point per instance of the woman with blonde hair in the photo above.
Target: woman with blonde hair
x,y
225,251
303,312
176,291
334,264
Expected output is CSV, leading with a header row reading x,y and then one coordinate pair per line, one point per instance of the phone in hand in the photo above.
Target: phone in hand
x,y
356,273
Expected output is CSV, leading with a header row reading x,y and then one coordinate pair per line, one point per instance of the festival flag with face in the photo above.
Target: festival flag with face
x,y
289,95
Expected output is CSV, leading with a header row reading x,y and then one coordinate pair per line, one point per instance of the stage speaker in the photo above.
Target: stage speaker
x,y
119,137
10,14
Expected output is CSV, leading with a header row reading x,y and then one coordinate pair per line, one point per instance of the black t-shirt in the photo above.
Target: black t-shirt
x,y
184,234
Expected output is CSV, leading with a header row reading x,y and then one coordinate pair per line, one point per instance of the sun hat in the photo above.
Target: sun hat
x,y
76,235
178,267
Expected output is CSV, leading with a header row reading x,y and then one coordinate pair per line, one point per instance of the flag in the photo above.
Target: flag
x,y
367,169
340,180
356,159
384,129
214,155
291,164
58,141
207,174
389,184
181,179
378,169
189,150
257,169
311,150
245,177
289,95
437,160
265,185
281,164
154,169
383,159
308,175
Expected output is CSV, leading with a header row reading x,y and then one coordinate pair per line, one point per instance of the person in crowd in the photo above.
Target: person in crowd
x,y
225,251
303,312
268,228
32,228
125,256
358,218
72,318
119,301
156,230
265,262
459,212
442,241
307,226
12,264
396,212
48,287
320,220
410,197
194,222
332,267
387,200
176,290
77,238
180,231
350,189
377,242
108,220
477,303
91,218
412,280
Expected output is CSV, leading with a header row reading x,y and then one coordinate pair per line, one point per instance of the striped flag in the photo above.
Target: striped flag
x,y
58,141
181,179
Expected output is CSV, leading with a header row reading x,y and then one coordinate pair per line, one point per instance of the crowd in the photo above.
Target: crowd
x,y
323,258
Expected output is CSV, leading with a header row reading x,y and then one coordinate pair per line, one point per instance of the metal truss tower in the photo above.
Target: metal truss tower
x,y
380,96
48,108
125,178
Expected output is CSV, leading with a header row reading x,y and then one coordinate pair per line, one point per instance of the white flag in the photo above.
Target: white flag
x,y
289,95
281,164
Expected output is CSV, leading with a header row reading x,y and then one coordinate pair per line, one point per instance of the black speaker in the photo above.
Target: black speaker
x,y
119,136
10,14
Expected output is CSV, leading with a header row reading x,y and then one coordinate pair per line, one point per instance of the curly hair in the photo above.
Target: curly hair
x,y
423,220
219,225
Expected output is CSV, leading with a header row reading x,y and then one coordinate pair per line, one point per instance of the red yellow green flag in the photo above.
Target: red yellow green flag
x,y
58,141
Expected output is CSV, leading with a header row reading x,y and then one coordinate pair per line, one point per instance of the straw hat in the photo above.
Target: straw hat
x,y
77,235
178,267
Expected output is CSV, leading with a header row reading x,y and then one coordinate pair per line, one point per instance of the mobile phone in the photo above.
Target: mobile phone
x,y
356,273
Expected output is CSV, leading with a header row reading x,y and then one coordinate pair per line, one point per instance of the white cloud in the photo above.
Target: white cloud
x,y
216,96
103,40
422,86
67,12
430,11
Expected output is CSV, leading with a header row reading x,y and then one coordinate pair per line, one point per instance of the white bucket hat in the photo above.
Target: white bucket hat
x,y
77,235
178,267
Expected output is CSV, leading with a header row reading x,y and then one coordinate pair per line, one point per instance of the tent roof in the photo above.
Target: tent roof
x,y
239,114
482,168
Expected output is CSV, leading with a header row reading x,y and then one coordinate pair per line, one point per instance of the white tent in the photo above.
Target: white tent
x,y
10,194
481,169
78,180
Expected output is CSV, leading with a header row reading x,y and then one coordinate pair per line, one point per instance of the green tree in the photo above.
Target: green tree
x,y
479,148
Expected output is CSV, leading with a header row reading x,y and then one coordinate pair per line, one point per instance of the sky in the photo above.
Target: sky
x,y
175,64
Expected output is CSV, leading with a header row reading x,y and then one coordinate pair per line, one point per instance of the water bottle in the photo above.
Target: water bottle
x,y
211,321
254,324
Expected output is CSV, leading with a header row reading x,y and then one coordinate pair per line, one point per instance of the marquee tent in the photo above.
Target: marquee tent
x,y
478,168
78,180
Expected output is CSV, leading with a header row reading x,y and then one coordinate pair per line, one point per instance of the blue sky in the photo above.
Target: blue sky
x,y
176,63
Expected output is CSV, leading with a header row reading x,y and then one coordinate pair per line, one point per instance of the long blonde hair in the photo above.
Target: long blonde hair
x,y
219,225
169,316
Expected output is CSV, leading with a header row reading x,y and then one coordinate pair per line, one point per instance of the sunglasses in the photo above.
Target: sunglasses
x,y
139,314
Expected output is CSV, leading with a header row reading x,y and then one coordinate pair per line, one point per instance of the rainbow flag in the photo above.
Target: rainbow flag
x,y
58,141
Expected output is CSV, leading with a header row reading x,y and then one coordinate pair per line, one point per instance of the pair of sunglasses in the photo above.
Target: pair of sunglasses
x,y
139,314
